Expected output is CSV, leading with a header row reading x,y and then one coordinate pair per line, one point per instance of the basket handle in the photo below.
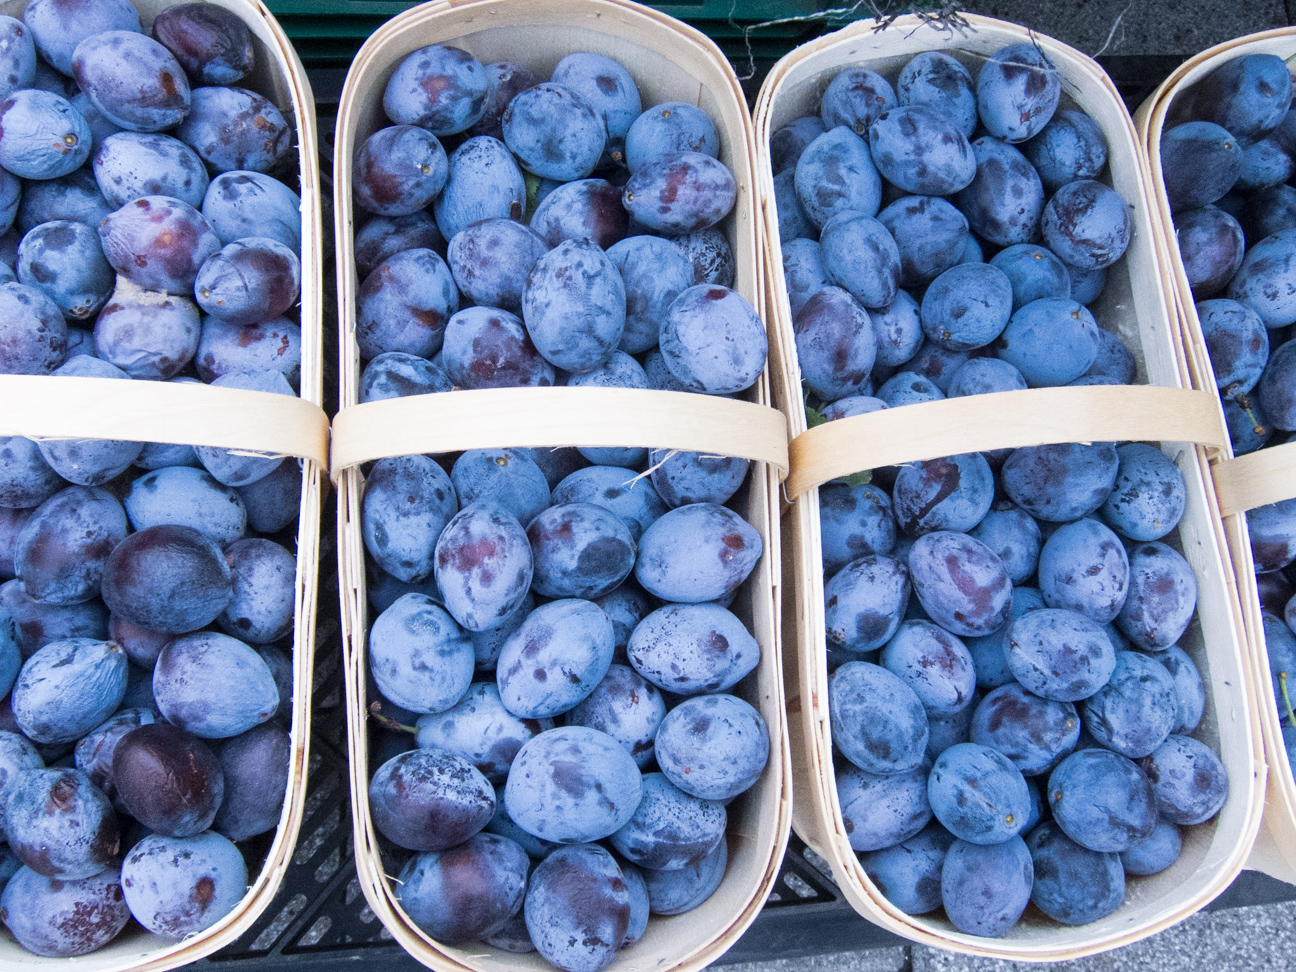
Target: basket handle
x,y
56,407
1002,420
555,417
1256,479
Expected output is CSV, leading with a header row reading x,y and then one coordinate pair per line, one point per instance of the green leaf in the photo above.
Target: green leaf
x,y
861,478
814,417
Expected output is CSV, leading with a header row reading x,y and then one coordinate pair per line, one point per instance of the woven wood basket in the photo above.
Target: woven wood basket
x,y
1242,483
150,411
1165,409
668,61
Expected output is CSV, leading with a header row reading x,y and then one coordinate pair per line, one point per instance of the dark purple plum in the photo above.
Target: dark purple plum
x,y
404,304
491,260
463,894
574,306
505,81
398,171
579,550
428,800
167,578
58,918
1278,387
133,80
489,348
62,552
1261,282
1162,597
951,493
787,144
699,552
1059,654
1003,203
1263,212
33,333
555,659
1086,224
484,182
1200,162
584,209
242,204
440,88
235,129
383,237
555,132
94,751
211,43
835,343
420,659
1073,885
1273,535
256,767
1034,733
484,565
1060,483
578,908
168,780
41,135
654,272
158,243
62,259
1211,246
251,282
680,192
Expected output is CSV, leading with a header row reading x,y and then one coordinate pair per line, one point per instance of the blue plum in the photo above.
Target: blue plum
x,y
878,721
488,348
578,908
275,345
397,171
264,577
1084,567
241,204
1087,224
555,132
615,489
1018,91
428,800
654,272
864,603
1051,341
1148,498
1200,162
677,892
1102,800
1060,483
1136,710
395,374
1190,781
711,254
1005,200
148,334
680,192
586,208
420,658
479,729
41,135
177,887
1152,855
985,888
33,333
407,503
61,553
835,344
612,92
882,811
909,873
670,829
574,306
627,707
440,88
672,126
76,196
405,304
60,824
1211,246
1073,885
491,259
1034,733
713,341
787,144
214,686
836,174
930,234
133,80
921,150
484,182
53,917
961,583
462,894
380,238
158,243
1190,693
185,496
940,82
935,664
713,746
579,550
505,80
509,477
555,659
1070,147
860,256
699,552
856,98
57,26
983,376
694,477
129,165
1034,272
272,501
249,282
1059,654
1248,95
951,493
854,522
1162,597
978,794
692,649
89,462
256,767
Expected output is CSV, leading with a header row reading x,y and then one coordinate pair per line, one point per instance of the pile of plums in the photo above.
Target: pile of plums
x,y
553,625
1228,157
147,590
1011,713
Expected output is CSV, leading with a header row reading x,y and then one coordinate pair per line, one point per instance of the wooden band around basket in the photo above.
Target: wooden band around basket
x,y
499,418
179,413
1256,479
1003,420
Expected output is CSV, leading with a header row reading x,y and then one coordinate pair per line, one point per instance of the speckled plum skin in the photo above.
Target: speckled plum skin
x,y
168,780
654,272
479,729
60,918
1073,885
255,766
158,243
961,583
864,602
1162,597
616,490
1190,781
507,476
398,171
465,893
133,80
935,664
1136,710
212,44
700,552
574,306
167,578
1034,733
1086,224
241,204
428,800
404,305
484,565
275,345
920,150
1059,654
62,259
572,785
670,829
263,573
17,56
395,374
407,503
713,747
41,135
1018,90
59,824
882,811
555,659
555,132
249,282
383,237
214,686
878,721
61,552
67,688
235,129
692,649
985,888
484,182
680,192
421,660
1060,483
579,550
26,481
713,341
33,333
860,255
129,165
627,707
440,88
491,260
1102,800
1084,567
178,887
489,348
672,126
836,174
578,908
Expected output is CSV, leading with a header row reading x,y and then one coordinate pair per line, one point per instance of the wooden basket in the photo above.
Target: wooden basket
x,y
669,62
1135,305
197,414
1242,483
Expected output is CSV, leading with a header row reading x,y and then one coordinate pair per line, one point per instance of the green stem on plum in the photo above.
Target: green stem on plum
x,y
387,722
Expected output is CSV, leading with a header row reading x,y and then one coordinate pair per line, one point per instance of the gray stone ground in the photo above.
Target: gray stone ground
x,y
1236,940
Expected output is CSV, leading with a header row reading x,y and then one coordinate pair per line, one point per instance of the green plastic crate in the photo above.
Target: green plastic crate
x,y
327,33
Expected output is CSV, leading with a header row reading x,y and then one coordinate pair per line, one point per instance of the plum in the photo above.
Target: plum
x,y
133,80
